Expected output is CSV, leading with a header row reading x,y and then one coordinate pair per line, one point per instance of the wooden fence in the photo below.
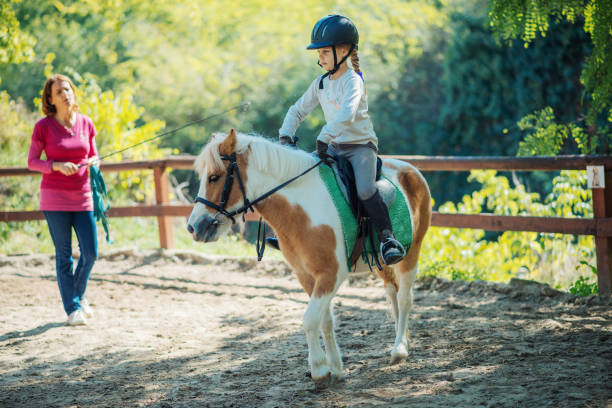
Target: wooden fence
x,y
599,226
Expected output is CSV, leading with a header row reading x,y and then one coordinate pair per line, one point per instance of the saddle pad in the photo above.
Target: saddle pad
x,y
399,211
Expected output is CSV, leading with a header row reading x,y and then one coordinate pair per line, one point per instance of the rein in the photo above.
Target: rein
x,y
98,187
247,204
227,187
242,108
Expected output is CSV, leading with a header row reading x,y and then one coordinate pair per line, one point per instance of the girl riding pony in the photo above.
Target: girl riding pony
x,y
348,132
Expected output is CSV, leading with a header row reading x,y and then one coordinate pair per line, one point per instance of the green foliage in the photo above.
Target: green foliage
x,y
17,124
547,137
582,286
437,82
185,59
469,254
525,19
489,87
16,46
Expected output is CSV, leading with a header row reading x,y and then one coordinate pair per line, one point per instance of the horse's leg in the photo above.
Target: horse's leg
x,y
332,351
319,367
407,274
324,367
388,276
391,291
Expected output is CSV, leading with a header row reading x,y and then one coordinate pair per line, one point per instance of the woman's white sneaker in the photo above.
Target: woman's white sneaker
x,y
86,308
77,318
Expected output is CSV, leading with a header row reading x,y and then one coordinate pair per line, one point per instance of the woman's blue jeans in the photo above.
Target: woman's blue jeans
x,y
71,284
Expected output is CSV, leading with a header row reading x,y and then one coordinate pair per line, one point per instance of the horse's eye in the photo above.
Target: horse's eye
x,y
212,178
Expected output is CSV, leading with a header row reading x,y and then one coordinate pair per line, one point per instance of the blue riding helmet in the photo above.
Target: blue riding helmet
x,y
333,30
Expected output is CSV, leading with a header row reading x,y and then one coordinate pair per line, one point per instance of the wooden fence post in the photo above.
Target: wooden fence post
x,y
602,208
164,223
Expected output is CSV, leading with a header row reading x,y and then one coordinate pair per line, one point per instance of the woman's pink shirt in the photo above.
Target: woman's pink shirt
x,y
59,192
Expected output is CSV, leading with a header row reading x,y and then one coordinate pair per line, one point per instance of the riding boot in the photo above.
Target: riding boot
x,y
273,242
391,250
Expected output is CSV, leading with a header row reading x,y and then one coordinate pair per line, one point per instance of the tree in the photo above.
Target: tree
x,y
511,19
15,45
489,87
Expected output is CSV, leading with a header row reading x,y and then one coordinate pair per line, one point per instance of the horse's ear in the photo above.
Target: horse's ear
x,y
228,146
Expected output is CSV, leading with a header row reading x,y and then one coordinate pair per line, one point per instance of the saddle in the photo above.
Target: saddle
x,y
345,177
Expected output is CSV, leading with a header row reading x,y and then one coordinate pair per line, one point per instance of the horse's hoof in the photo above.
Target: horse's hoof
x,y
323,382
397,359
399,356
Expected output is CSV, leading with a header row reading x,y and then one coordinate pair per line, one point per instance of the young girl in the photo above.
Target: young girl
x,y
348,132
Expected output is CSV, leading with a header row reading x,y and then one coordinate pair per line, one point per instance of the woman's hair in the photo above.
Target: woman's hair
x,y
47,107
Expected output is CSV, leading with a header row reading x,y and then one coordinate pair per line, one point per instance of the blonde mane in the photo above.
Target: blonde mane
x,y
266,155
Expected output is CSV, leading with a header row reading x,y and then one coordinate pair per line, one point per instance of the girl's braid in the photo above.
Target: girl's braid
x,y
355,61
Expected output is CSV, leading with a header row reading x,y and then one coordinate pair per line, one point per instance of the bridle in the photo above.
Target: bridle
x,y
227,188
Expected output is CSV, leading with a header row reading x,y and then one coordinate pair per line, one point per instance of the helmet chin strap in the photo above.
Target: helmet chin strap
x,y
336,63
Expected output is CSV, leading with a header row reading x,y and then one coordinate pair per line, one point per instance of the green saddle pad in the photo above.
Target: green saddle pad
x,y
399,211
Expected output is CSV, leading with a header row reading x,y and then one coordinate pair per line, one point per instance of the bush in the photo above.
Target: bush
x,y
471,254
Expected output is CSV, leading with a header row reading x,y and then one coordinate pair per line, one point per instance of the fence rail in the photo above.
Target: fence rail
x,y
600,226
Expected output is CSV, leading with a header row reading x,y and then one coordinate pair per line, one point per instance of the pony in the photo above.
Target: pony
x,y
308,228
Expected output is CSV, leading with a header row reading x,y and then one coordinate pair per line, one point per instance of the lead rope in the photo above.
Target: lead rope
x,y
101,202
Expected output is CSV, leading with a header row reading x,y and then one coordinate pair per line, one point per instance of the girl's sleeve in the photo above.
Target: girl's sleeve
x,y
299,110
37,145
93,149
353,91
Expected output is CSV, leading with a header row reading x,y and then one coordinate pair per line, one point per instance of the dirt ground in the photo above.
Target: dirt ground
x,y
179,329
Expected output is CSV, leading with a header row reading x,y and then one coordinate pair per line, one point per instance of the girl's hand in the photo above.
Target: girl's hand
x,y
322,153
66,168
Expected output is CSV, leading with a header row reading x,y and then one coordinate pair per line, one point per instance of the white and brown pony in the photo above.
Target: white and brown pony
x,y
308,228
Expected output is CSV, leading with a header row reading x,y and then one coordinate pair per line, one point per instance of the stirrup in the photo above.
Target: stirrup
x,y
392,251
273,242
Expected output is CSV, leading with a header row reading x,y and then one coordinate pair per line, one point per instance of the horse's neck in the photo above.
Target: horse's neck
x,y
276,167
299,192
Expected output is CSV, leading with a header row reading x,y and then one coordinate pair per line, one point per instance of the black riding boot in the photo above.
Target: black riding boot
x,y
273,242
391,250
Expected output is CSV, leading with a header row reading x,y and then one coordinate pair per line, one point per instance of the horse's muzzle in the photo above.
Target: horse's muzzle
x,y
204,228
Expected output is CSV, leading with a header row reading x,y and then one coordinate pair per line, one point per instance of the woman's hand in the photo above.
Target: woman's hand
x,y
93,161
66,168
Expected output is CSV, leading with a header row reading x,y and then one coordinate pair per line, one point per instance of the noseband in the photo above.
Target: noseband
x,y
227,188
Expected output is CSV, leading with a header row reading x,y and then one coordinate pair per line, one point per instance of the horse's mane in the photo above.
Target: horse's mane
x,y
265,154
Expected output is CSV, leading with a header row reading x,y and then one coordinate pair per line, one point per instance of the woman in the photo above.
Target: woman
x,y
68,140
